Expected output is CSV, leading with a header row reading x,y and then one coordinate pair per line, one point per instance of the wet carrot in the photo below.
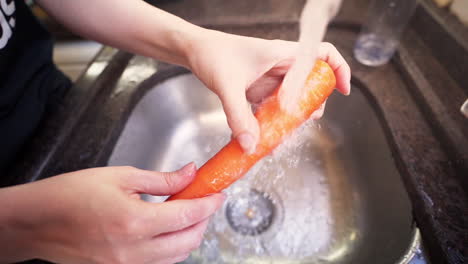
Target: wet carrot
x,y
231,163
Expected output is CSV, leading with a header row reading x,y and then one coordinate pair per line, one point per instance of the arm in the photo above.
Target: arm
x,y
131,25
231,66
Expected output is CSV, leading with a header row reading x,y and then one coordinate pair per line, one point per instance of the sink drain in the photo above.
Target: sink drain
x,y
251,214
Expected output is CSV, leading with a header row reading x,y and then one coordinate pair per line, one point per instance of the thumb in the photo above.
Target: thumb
x,y
240,118
163,183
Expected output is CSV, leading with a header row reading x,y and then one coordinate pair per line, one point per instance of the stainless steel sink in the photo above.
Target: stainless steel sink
x,y
331,194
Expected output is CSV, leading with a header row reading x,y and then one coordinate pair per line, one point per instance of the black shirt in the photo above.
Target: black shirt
x,y
30,84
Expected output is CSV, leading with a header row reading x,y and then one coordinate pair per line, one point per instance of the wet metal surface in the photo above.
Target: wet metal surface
x,y
252,214
343,202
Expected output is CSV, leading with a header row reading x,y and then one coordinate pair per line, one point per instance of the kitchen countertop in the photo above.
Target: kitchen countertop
x,y
415,96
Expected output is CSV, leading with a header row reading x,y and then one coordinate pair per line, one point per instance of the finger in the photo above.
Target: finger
x,y
330,54
186,240
179,214
319,112
268,82
162,183
240,118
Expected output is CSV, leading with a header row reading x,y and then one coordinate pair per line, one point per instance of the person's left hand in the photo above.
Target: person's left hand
x,y
96,216
244,69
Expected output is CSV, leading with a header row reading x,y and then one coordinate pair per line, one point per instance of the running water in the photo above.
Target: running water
x,y
312,24
278,211
275,210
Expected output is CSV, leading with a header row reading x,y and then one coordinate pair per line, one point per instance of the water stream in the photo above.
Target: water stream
x,y
265,216
275,210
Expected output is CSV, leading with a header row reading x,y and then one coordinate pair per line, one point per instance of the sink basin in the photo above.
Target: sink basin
x,y
330,194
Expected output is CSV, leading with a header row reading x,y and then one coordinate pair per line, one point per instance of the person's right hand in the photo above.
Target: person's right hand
x,y
243,69
97,216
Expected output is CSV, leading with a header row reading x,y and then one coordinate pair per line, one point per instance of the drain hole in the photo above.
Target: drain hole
x,y
251,214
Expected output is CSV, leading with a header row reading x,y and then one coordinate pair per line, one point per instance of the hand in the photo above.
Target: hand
x,y
236,68
96,216
243,69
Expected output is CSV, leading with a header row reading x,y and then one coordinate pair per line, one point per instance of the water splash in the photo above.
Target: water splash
x,y
278,177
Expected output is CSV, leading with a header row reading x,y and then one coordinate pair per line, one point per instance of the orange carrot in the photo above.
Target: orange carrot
x,y
231,163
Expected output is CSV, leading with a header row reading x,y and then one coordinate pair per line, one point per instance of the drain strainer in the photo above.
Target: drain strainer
x,y
251,214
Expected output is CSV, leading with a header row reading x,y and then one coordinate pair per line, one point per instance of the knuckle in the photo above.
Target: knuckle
x,y
187,215
328,45
133,227
129,225
170,180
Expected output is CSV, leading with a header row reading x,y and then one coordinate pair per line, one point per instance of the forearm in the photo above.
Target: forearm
x,y
131,25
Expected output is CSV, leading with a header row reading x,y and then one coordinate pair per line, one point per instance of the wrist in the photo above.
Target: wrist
x,y
160,35
186,39
16,236
196,49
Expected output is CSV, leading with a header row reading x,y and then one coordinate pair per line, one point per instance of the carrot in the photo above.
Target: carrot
x,y
231,163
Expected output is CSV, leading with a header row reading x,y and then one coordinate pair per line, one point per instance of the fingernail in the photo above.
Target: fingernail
x,y
247,142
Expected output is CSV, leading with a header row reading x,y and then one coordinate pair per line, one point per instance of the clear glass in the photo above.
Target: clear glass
x,y
379,37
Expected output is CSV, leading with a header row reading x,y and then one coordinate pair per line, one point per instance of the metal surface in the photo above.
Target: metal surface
x,y
252,213
337,194
464,108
